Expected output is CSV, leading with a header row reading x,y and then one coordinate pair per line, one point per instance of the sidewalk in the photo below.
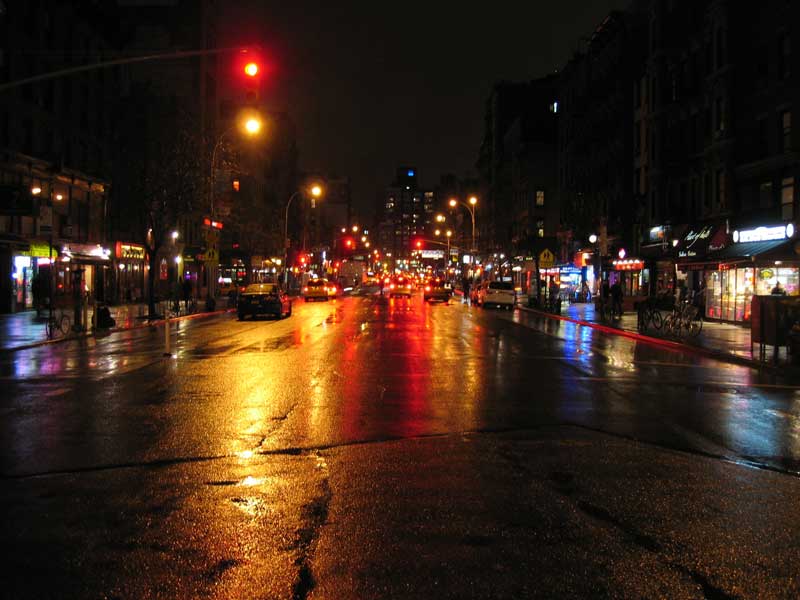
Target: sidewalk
x,y
722,338
23,328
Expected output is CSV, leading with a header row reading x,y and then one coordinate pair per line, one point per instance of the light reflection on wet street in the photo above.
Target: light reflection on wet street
x,y
254,406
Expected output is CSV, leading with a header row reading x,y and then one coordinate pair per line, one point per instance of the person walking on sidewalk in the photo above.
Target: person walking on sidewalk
x,y
604,299
778,290
616,300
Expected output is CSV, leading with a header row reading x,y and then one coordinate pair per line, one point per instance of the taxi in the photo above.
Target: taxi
x,y
319,289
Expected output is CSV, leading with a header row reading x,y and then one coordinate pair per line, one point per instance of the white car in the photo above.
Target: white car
x,y
497,293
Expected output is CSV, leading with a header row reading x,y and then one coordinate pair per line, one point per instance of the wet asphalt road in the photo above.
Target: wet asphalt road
x,y
372,448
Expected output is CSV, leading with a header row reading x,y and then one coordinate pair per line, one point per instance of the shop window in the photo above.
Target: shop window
x,y
786,130
787,198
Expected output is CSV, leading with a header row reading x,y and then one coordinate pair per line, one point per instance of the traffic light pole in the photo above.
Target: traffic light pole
x,y
122,61
286,243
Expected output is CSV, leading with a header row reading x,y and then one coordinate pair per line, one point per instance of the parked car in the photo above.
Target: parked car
x,y
437,288
264,299
496,293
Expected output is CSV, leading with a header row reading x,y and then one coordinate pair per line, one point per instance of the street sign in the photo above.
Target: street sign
x,y
547,259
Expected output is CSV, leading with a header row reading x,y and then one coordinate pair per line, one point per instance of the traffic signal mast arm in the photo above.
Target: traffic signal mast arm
x,y
122,61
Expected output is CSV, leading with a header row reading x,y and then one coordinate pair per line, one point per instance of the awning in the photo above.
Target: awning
x,y
752,250
702,243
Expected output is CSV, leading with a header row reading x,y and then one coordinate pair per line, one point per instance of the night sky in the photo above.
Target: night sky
x,y
373,85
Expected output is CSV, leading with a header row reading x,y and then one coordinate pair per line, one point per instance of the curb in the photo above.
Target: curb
x,y
156,323
660,342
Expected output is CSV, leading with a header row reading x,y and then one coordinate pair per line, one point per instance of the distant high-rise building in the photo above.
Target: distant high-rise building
x,y
407,211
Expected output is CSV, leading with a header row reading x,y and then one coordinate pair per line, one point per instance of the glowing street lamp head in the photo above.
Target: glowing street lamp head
x,y
453,202
440,218
355,228
252,125
473,200
592,239
437,232
316,191
36,190
448,233
175,235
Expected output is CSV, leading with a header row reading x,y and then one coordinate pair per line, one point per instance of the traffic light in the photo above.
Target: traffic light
x,y
418,244
250,69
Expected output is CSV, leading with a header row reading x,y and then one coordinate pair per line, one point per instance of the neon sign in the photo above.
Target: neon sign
x,y
764,234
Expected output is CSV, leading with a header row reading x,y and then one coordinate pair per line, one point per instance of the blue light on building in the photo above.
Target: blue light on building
x,y
411,172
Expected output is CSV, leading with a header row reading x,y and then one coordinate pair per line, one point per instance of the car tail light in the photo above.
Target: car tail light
x,y
305,289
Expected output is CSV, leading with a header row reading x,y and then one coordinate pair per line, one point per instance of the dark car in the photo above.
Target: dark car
x,y
264,299
437,289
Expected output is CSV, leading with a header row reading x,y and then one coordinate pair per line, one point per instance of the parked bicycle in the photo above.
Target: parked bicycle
x,y
58,324
648,315
685,319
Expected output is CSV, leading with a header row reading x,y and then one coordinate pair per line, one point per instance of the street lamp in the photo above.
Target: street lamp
x,y
315,191
473,201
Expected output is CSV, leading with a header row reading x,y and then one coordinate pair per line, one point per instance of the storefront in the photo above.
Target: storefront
x,y
752,266
81,269
130,269
631,275
30,275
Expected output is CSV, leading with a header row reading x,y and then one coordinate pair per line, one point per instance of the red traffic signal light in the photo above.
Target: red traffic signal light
x,y
251,69
418,244
348,243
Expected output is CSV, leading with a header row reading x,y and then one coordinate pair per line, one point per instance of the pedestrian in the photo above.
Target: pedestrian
x,y
616,300
699,299
586,292
555,296
187,293
778,290
604,298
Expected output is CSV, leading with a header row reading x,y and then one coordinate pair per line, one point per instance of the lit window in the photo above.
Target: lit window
x,y
786,129
539,197
554,107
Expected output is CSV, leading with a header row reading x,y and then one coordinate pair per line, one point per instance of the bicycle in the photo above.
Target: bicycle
x,y
57,324
647,315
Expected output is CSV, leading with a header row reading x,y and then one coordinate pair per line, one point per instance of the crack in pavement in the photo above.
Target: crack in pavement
x,y
301,450
315,515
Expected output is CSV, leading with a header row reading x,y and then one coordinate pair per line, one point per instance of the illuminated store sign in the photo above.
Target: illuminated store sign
x,y
764,234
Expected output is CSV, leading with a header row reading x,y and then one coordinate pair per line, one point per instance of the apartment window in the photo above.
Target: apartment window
x,y
786,130
765,194
637,94
722,201
539,197
540,228
637,177
706,193
637,138
787,198
785,57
